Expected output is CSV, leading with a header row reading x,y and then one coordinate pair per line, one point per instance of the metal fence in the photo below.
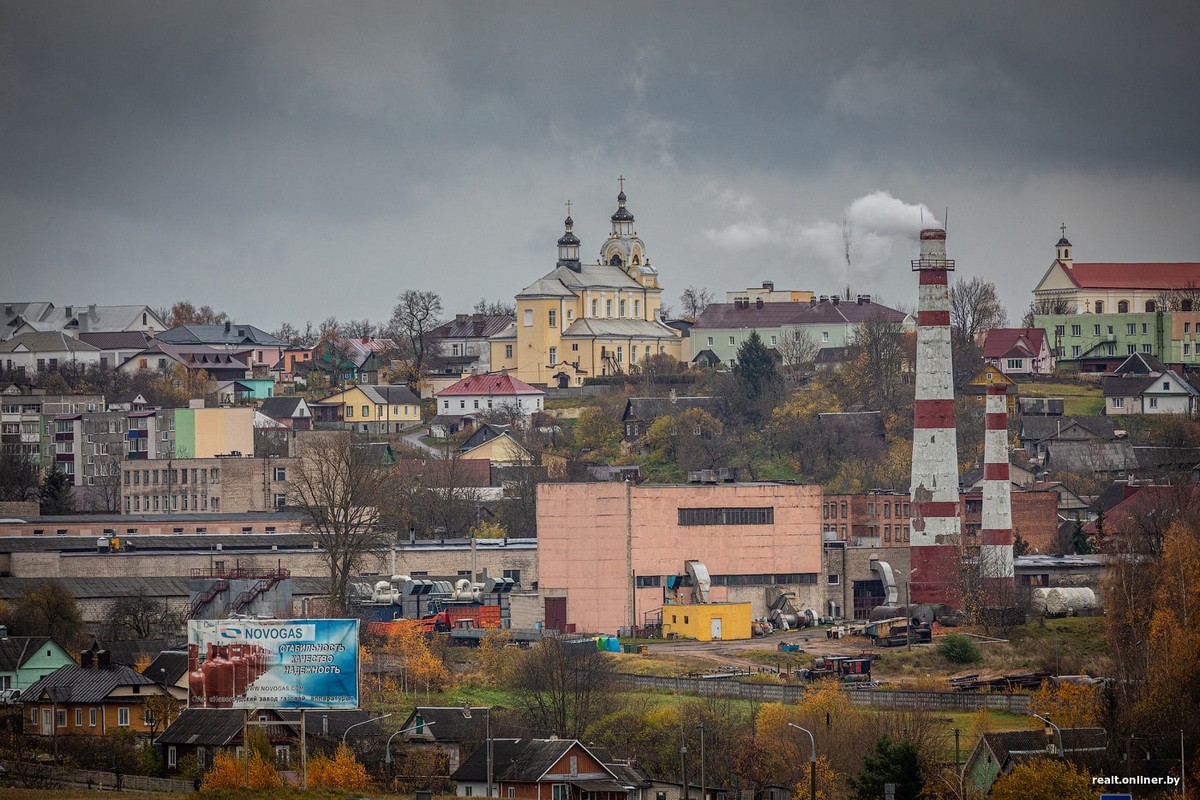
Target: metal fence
x,y
876,698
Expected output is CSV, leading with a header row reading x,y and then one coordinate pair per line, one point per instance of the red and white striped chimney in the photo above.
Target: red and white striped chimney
x,y
934,543
996,536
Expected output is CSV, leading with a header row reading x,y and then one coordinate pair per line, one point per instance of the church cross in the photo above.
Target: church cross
x,y
621,180
1063,228
568,204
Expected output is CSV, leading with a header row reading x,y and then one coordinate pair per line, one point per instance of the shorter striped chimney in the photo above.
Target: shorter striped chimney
x,y
995,535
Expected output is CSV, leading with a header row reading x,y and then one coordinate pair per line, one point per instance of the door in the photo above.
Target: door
x,y
556,614
47,722
716,628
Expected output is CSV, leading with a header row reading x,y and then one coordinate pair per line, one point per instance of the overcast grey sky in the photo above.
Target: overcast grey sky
x,y
295,160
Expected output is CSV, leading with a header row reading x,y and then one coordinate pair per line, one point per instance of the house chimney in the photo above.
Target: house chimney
x,y
85,659
461,318
103,659
227,326
69,310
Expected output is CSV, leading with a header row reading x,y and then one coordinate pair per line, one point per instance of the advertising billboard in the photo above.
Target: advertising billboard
x,y
273,663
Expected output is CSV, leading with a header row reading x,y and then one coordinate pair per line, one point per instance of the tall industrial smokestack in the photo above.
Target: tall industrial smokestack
x,y
934,544
995,536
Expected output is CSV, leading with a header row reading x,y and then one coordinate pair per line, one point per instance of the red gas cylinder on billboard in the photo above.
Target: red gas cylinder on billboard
x,y
196,697
218,677
240,669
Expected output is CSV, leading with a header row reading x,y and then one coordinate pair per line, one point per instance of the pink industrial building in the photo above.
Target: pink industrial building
x,y
607,551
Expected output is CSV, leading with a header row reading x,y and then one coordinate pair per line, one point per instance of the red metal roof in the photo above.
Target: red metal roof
x,y
1000,342
1174,275
474,385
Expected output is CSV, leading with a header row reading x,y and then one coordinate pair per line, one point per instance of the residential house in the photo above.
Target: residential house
x,y
91,698
43,353
203,733
352,359
1113,460
453,732
996,754
381,408
490,394
464,347
44,317
1019,351
217,364
501,450
292,412
1037,432
117,347
641,412
295,363
1142,384
1112,310
259,350
584,320
563,769
829,322
26,659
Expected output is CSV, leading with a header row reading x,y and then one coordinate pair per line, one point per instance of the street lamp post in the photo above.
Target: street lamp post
x,y
908,610
812,764
364,722
1057,730
487,727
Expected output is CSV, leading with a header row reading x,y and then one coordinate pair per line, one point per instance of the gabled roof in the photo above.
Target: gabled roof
x,y
649,409
1020,745
220,334
50,342
1036,429
1087,457
565,282
1108,275
1141,364
446,724
1013,342
476,326
497,385
116,340
525,760
773,315
282,407
204,727
75,684
380,394
16,650
168,667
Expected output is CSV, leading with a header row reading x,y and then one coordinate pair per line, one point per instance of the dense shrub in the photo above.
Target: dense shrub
x,y
959,649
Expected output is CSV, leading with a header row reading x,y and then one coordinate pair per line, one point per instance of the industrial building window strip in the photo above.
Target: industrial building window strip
x,y
765,580
727,516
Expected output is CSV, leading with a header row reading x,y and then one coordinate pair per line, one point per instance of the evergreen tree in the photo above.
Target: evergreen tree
x,y
1020,546
56,493
1080,542
755,367
889,762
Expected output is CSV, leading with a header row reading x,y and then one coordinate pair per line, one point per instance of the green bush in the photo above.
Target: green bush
x,y
959,649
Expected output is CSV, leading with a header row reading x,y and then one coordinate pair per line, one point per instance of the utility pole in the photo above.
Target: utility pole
x,y
703,776
683,763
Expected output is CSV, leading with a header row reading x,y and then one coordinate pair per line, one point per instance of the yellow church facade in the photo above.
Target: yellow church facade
x,y
584,320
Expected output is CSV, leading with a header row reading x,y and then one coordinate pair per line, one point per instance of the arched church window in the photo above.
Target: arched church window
x,y
615,260
1099,306
1122,306
1185,305
637,261
1151,306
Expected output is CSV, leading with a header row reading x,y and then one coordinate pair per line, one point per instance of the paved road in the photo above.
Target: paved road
x,y
413,438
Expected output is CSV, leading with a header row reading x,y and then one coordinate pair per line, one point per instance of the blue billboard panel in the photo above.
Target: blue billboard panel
x,y
273,663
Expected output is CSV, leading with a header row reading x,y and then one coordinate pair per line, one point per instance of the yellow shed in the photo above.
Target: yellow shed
x,y
707,622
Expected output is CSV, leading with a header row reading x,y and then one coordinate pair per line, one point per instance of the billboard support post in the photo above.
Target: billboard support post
x,y
303,753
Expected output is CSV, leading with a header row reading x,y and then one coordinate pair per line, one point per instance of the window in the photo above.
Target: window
x,y
280,500
774,341
1131,329
349,412
1110,330
529,318
366,411
595,308
1099,306
559,792
553,315
732,341
1166,386
60,718
1095,330
710,341
608,308
1076,330
1014,363
1148,348
637,308
1122,306
1145,328
1130,349
621,309
1154,402
172,757
201,756
514,575
283,755
727,516
91,717
1075,351
1060,330
279,473
1118,402
1187,348
79,718
824,336
553,355
620,355
512,791
833,580
508,351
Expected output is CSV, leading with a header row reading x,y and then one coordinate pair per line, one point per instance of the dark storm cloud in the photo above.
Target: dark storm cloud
x,y
234,146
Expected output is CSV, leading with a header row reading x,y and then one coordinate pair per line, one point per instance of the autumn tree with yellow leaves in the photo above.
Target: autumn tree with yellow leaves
x,y
343,771
1039,778
229,772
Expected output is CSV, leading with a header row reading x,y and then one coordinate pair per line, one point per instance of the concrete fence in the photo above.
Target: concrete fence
x,y
876,698
97,779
